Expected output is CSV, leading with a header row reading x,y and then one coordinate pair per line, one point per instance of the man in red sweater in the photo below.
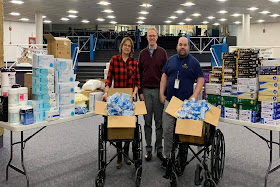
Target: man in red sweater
x,y
151,61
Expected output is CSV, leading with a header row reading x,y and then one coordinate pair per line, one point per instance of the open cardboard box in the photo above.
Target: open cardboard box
x,y
189,126
120,127
58,47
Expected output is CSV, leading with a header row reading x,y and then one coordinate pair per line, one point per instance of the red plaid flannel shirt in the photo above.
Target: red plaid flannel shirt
x,y
124,74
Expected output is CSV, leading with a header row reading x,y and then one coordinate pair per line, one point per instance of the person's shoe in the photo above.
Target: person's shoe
x,y
119,164
148,156
127,161
164,163
160,156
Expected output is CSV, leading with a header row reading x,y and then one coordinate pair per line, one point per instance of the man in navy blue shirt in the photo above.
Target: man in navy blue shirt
x,y
179,75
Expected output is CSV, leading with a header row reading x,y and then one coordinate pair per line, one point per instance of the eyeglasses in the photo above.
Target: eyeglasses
x,y
152,36
129,46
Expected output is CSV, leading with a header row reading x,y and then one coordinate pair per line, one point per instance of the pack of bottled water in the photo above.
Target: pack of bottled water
x,y
120,105
193,109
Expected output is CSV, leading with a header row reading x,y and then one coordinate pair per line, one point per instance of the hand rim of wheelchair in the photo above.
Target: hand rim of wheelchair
x,y
208,183
217,156
178,162
138,176
100,179
173,179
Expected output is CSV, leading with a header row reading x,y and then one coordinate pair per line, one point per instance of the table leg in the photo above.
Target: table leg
x,y
270,159
11,157
22,158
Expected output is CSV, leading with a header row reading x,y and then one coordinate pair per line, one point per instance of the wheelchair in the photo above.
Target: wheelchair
x,y
137,150
213,149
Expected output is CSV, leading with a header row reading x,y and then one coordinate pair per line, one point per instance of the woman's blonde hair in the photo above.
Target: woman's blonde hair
x,y
132,45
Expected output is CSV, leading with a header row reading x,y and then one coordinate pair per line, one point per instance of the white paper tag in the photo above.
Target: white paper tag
x,y
176,84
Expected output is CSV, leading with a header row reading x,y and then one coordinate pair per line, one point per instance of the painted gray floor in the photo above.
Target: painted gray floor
x,y
66,155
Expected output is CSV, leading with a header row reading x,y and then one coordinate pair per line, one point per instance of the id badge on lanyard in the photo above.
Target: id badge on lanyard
x,y
177,81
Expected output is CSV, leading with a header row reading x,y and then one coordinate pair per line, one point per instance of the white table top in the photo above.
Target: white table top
x,y
16,128
249,124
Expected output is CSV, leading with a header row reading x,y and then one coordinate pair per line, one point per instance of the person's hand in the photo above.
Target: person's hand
x,y
162,98
104,96
134,96
193,96
141,97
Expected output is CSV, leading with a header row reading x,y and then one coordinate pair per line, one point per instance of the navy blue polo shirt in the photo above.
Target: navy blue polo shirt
x,y
189,70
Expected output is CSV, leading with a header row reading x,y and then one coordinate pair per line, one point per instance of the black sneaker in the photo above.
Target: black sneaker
x,y
160,156
164,163
148,156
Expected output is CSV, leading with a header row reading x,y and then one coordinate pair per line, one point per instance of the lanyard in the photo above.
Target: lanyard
x,y
179,65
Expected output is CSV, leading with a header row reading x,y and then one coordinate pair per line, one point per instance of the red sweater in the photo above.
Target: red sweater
x,y
150,68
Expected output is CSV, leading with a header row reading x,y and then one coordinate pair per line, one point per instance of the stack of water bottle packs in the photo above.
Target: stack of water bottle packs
x,y
192,109
120,105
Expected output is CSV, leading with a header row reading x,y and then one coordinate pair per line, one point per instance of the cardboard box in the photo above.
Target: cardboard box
x,y
249,119
42,61
270,85
213,86
120,127
63,64
269,78
270,116
270,121
272,105
58,47
61,88
247,81
1,131
66,99
268,91
244,95
214,92
194,139
65,76
67,111
269,98
189,126
43,72
28,84
270,62
247,88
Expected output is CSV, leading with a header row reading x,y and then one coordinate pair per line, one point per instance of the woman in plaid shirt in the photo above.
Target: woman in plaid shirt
x,y
125,73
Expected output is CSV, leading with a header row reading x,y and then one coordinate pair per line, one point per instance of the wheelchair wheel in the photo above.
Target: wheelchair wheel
x,y
173,179
138,147
208,183
217,156
138,176
181,159
100,179
101,148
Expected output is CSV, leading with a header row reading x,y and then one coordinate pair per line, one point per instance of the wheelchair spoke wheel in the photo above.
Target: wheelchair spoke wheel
x,y
217,156
101,148
100,179
209,183
173,179
181,159
138,176
138,147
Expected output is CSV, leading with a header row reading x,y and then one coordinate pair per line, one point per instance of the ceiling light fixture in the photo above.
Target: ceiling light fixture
x,y
144,12
47,21
15,14
196,14
260,21
180,11
140,22
274,15
205,22
113,22
216,24
221,0
211,17
24,19
188,19
222,12
236,15
44,17
188,4
105,3
17,2
72,16
168,21
73,11
146,5
172,17
85,21
108,11
253,8
100,19
265,12
141,18
64,19
181,23
237,22
111,17
274,1
223,19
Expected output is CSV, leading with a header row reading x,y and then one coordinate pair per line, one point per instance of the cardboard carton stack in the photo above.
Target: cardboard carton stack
x,y
269,91
213,88
43,86
64,87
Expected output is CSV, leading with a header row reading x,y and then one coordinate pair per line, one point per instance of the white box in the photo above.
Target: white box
x,y
229,116
43,80
248,113
271,110
270,62
106,73
67,111
42,89
270,116
230,110
107,65
42,61
214,92
52,115
270,121
61,88
46,98
247,81
272,105
213,86
95,96
66,99
62,64
43,72
64,76
248,88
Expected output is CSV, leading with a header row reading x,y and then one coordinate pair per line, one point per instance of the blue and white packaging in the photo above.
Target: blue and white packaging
x,y
270,116
249,119
43,80
43,61
46,98
66,99
26,115
249,113
95,96
42,89
270,121
230,116
272,105
65,76
49,106
39,116
67,111
43,72
61,88
52,115
37,105
271,111
62,64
